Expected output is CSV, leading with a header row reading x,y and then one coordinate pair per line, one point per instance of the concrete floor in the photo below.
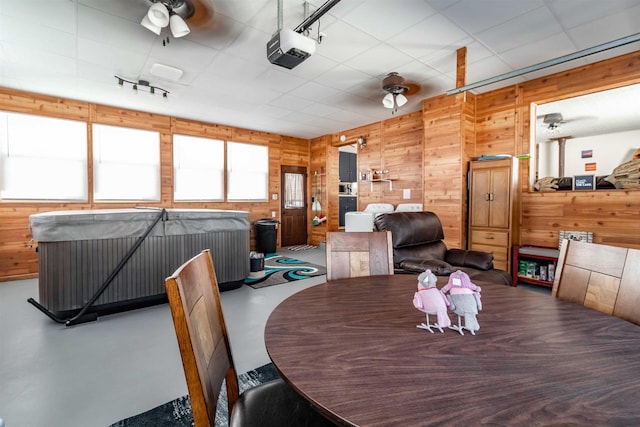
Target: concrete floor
x,y
95,374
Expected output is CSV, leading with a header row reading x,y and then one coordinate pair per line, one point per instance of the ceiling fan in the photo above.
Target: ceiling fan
x,y
175,13
552,121
397,89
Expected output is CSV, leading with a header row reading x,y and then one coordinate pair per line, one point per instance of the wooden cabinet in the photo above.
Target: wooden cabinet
x,y
346,204
493,208
347,167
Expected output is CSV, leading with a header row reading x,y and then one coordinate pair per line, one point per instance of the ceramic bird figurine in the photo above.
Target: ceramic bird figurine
x,y
431,300
465,301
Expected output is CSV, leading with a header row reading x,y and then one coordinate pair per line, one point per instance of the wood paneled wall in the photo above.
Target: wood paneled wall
x,y
502,126
18,258
426,151
449,138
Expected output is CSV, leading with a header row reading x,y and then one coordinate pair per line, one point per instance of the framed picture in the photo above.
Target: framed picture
x,y
583,182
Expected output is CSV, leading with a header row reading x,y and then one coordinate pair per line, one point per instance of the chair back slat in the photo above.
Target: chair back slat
x,y
356,254
601,277
202,337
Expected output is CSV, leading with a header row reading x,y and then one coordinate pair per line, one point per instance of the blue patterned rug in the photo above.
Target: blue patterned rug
x,y
177,413
280,269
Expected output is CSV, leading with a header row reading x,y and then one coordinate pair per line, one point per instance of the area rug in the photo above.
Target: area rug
x,y
177,413
280,269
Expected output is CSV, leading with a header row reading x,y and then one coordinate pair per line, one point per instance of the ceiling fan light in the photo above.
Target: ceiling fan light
x,y
158,15
146,22
401,100
387,101
179,28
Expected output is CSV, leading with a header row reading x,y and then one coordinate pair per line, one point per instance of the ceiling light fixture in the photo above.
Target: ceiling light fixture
x,y
162,14
140,84
396,88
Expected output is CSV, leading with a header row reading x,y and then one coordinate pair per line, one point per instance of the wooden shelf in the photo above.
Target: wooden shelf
x,y
540,257
371,181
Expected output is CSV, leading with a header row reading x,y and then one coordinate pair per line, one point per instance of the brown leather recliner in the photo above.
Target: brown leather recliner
x,y
417,246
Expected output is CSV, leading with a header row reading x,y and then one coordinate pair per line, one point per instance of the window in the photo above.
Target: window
x,y
198,168
247,171
293,190
42,158
126,163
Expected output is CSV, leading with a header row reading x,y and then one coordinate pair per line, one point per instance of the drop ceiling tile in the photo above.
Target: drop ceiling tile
x,y
606,29
345,42
475,16
277,79
40,38
383,19
342,77
230,68
251,44
486,68
320,110
314,91
539,51
379,59
111,30
539,23
290,102
429,36
314,66
120,61
572,13
56,15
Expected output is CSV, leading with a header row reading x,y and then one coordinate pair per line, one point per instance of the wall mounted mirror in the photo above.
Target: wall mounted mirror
x,y
582,136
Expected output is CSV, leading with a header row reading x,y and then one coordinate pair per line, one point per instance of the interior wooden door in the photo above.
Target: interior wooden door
x,y
500,198
293,227
480,198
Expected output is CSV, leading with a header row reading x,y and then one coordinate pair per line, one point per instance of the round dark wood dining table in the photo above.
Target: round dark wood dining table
x,y
351,347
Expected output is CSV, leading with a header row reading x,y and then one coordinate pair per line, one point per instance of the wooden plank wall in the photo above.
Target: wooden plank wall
x,y
426,151
18,258
502,126
318,149
396,145
449,135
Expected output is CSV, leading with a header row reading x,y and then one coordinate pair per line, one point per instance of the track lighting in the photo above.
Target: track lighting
x,y
162,14
135,85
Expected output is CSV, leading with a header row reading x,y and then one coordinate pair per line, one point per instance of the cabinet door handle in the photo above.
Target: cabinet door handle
x,y
487,197
491,197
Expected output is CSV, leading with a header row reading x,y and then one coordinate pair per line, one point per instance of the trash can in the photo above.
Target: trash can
x,y
266,235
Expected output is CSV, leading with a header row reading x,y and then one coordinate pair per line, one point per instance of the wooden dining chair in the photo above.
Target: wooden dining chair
x,y
601,277
206,357
355,254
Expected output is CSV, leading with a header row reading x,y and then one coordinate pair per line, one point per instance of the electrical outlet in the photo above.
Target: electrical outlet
x,y
273,214
406,193
274,196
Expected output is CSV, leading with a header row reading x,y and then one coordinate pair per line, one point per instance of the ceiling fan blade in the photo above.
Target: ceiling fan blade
x,y
413,89
202,13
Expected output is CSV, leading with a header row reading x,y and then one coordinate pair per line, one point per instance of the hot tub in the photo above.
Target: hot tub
x,y
78,251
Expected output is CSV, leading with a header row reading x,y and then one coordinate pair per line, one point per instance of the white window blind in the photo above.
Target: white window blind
x,y
42,158
198,168
126,163
247,171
